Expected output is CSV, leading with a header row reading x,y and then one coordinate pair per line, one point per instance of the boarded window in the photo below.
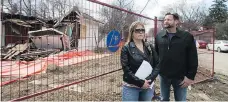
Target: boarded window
x,y
83,32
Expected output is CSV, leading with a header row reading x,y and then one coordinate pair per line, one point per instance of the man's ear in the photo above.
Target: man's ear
x,y
176,22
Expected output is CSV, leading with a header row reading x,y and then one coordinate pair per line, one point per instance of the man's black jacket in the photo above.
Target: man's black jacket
x,y
178,56
132,58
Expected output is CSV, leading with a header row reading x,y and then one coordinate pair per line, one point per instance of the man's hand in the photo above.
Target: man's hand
x,y
146,84
186,82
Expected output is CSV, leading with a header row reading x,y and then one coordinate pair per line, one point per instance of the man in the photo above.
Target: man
x,y
178,59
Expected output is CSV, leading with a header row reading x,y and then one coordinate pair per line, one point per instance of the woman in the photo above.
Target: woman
x,y
135,51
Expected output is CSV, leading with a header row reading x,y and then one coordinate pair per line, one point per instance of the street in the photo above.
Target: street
x,y
220,62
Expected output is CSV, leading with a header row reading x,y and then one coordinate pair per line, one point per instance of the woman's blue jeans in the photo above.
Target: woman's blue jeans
x,y
137,94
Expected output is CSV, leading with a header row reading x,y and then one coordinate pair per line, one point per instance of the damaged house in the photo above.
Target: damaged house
x,y
41,43
31,37
18,37
81,28
15,28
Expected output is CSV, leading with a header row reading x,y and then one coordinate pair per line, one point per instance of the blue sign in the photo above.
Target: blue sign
x,y
113,40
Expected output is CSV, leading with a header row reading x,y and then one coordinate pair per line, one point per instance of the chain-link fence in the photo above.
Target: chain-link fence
x,y
68,50
64,50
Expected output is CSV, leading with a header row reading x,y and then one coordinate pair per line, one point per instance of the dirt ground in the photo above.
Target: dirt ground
x,y
210,90
103,88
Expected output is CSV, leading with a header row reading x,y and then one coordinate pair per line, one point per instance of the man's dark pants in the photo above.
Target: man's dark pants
x,y
165,85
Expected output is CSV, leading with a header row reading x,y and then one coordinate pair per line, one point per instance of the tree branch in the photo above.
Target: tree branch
x,y
10,3
25,4
128,3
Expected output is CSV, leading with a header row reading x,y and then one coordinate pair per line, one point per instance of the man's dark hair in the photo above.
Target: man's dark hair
x,y
175,15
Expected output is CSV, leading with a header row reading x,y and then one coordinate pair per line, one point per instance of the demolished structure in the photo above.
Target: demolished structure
x,y
30,44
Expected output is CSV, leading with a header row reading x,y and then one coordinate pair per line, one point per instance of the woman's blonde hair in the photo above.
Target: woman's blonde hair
x,y
131,30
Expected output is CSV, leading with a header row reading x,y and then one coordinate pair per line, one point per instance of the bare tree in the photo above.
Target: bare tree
x,y
11,6
27,7
116,19
222,31
58,8
19,6
192,16
42,10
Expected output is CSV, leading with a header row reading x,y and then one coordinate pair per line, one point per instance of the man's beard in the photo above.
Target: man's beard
x,y
169,26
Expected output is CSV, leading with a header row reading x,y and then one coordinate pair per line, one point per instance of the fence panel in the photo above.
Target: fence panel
x,y
59,50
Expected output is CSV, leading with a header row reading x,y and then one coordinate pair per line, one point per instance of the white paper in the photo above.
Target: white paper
x,y
152,85
190,87
144,70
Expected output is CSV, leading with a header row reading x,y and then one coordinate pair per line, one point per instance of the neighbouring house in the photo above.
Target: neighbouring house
x,y
81,28
152,32
15,27
205,35
49,39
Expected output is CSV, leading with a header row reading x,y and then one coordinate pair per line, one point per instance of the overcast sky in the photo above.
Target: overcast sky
x,y
154,7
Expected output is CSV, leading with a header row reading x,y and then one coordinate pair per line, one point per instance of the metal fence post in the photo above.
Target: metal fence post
x,y
155,26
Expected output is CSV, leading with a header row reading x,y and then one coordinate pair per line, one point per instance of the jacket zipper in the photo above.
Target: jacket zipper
x,y
169,41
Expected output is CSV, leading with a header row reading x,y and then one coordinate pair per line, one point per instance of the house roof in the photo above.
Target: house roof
x,y
86,16
22,19
6,16
49,31
197,33
78,15
18,22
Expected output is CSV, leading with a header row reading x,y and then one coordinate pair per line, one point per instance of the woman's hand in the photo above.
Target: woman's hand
x,y
146,84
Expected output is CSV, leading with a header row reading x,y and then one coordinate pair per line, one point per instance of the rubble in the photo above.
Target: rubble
x,y
41,43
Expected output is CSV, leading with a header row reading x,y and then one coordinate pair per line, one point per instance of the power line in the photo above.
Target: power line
x,y
145,6
156,2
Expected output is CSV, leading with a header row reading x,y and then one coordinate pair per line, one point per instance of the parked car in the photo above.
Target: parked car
x,y
201,44
219,45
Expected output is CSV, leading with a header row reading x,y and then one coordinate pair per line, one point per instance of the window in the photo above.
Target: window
x,y
83,32
225,42
218,42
